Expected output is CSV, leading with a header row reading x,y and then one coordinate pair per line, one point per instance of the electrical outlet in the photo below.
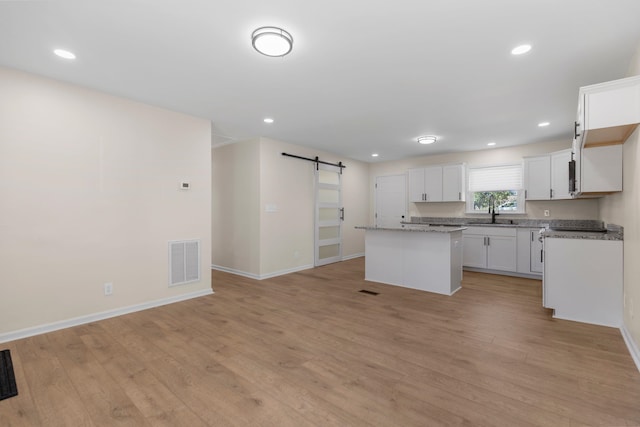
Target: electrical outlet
x,y
108,288
546,212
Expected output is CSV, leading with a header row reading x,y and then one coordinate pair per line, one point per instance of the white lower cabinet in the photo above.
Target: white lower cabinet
x,y
492,248
583,280
529,251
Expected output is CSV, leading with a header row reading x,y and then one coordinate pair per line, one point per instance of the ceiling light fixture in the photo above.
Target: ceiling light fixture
x,y
519,50
543,124
491,144
374,155
272,41
268,120
64,54
429,139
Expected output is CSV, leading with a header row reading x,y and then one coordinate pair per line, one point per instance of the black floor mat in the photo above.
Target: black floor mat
x,y
8,386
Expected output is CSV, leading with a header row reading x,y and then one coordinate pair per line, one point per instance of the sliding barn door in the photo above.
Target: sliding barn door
x,y
329,215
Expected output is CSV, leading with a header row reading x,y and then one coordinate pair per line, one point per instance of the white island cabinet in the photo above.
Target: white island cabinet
x,y
583,280
417,257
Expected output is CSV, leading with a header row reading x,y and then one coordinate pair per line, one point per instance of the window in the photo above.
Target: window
x,y
498,186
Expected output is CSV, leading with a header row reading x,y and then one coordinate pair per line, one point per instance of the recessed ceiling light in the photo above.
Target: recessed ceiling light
x,y
491,144
272,41
374,155
519,50
268,120
543,124
64,54
429,139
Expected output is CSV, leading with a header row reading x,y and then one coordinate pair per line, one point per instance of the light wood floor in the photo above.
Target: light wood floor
x,y
308,349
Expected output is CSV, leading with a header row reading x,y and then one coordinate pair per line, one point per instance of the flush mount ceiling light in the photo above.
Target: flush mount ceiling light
x,y
429,139
272,41
268,120
375,155
64,54
491,144
519,50
543,124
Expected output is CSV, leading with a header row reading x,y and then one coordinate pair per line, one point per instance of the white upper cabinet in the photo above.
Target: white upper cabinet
x,y
560,174
608,112
601,169
453,183
436,184
433,184
546,177
537,177
416,185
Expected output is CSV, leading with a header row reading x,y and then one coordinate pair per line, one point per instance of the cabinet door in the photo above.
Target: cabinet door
x,y
536,253
601,169
416,185
501,253
615,104
560,174
452,183
433,183
524,250
474,253
537,177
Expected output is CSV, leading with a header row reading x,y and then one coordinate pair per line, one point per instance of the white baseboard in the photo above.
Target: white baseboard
x,y
348,257
50,327
260,276
275,273
631,345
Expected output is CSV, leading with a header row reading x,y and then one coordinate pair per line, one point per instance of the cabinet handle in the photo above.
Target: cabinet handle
x,y
541,256
525,194
459,195
532,236
575,130
551,193
488,241
342,214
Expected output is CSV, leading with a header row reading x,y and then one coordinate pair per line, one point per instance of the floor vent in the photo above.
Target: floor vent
x,y
368,292
184,262
8,386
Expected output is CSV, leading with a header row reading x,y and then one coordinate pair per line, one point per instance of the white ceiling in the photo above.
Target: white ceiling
x,y
364,76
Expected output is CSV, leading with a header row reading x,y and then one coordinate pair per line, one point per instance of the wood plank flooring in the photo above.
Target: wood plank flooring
x,y
308,349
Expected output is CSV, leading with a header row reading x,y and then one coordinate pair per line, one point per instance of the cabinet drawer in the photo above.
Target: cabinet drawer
x,y
491,231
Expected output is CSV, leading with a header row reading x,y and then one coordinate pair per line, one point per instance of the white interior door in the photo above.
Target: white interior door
x,y
329,215
391,200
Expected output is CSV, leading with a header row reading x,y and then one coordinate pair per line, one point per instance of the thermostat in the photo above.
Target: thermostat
x,y
184,185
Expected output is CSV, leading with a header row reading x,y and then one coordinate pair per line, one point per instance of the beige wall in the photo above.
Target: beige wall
x,y
284,239
235,204
89,189
623,209
559,209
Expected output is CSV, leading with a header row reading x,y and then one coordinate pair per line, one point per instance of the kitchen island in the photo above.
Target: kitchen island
x,y
428,258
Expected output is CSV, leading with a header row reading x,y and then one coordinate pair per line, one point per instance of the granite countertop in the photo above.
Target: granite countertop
x,y
416,228
610,234
556,228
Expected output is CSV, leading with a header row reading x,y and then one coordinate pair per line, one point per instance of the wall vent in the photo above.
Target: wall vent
x,y
184,262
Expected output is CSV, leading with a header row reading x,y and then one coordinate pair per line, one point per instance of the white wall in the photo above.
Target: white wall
x,y
89,189
284,240
623,208
559,209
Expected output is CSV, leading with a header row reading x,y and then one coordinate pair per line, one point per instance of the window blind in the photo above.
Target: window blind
x,y
495,178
